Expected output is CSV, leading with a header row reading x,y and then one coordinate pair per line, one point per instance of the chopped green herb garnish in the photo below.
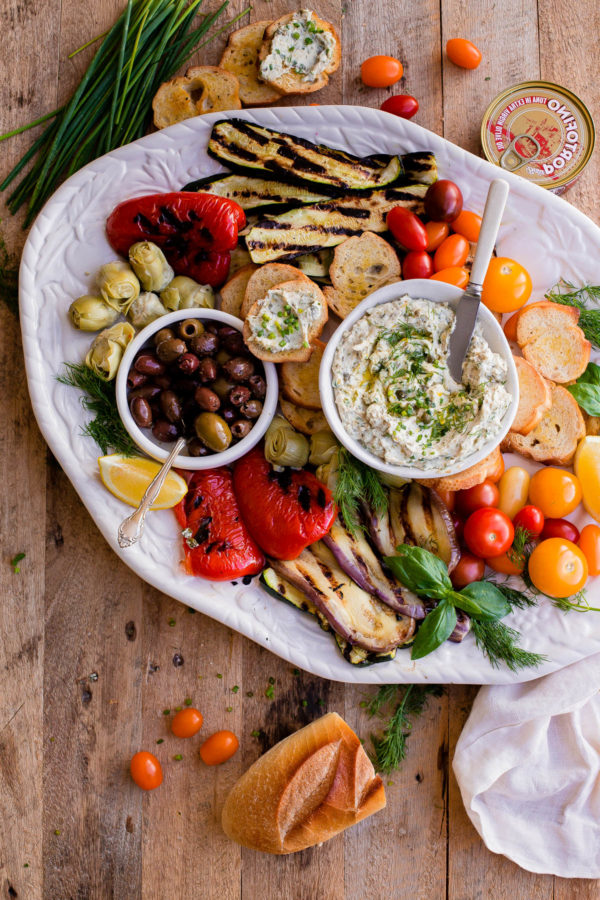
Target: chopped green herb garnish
x,y
270,692
15,562
160,741
219,675
166,712
235,689
304,702
188,701
178,757
171,623
229,709
256,733
295,671
249,693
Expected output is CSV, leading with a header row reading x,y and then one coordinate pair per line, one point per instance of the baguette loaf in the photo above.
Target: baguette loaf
x,y
304,790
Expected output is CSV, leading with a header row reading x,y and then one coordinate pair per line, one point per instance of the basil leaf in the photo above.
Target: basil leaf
x,y
492,603
591,375
465,603
420,571
587,395
437,627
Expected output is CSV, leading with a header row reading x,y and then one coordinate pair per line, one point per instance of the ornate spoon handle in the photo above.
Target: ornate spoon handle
x,y
131,528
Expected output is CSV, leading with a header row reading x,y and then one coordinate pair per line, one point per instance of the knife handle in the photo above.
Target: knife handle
x,y
492,216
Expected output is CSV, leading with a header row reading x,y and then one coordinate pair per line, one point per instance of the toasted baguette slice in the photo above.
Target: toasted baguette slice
x,y
360,266
304,790
291,82
535,397
300,381
299,354
510,326
491,466
266,278
232,293
176,99
240,58
592,424
559,354
308,421
554,439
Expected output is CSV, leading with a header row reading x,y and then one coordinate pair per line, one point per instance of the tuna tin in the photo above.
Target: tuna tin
x,y
541,131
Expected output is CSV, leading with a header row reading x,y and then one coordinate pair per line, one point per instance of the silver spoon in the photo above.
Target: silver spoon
x,y
468,305
131,528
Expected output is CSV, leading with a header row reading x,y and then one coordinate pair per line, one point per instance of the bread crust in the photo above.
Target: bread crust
x,y
267,277
308,421
300,381
289,82
174,101
535,397
233,291
240,57
490,466
555,438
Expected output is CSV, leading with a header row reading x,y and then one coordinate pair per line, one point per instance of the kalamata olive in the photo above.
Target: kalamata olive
x,y
170,350
185,386
443,201
207,370
222,387
233,342
190,328
252,409
240,429
146,391
165,334
135,379
212,327
258,386
188,363
148,364
141,412
165,431
230,414
222,357
238,395
207,399
163,381
197,448
238,369
213,431
204,344
170,405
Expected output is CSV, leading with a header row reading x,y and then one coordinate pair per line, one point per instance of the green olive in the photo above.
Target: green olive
x,y
190,328
213,431
222,387
222,357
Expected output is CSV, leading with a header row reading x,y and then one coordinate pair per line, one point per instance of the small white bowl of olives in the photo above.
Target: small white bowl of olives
x,y
189,374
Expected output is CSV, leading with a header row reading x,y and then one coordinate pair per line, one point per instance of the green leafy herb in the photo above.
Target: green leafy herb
x,y
357,483
586,390
15,562
585,298
499,643
270,692
390,746
420,571
178,757
491,602
9,279
106,428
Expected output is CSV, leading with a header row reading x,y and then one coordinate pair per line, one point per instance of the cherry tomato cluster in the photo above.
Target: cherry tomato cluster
x,y
146,769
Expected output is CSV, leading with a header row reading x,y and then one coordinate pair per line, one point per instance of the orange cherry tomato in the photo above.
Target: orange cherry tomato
x,y
381,71
451,252
510,327
463,53
219,747
146,770
187,722
453,275
506,286
558,568
505,565
436,233
556,491
589,544
468,224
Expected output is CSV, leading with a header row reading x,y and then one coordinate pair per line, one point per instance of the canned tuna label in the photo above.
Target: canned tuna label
x,y
541,131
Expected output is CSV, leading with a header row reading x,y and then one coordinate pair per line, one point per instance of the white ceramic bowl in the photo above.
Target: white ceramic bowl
x,y
143,436
438,292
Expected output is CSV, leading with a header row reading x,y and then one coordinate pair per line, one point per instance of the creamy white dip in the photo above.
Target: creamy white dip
x,y
301,47
395,394
284,319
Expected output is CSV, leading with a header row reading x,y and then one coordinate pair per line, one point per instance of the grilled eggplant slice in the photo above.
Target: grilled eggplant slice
x,y
352,613
255,193
356,656
241,145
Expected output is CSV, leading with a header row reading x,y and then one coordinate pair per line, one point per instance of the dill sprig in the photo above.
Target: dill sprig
x,y
585,298
577,603
499,643
357,483
389,749
106,428
515,598
520,550
9,279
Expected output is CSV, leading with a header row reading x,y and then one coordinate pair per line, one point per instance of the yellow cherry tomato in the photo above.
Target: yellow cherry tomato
x,y
558,568
513,487
381,71
452,275
506,286
589,544
468,224
556,492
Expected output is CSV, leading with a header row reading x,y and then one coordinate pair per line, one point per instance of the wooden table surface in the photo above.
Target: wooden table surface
x,y
89,653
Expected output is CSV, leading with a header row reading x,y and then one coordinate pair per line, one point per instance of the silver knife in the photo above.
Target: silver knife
x,y
468,305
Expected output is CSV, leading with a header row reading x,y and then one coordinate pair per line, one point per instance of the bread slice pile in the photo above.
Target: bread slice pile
x,y
203,89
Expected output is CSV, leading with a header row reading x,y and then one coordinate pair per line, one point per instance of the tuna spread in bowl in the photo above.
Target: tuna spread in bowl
x,y
394,392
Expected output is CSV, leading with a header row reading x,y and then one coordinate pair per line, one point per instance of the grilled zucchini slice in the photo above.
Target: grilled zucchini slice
x,y
315,265
255,193
245,147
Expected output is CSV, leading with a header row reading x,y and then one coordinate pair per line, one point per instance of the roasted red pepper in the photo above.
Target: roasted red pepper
x,y
217,543
194,231
285,511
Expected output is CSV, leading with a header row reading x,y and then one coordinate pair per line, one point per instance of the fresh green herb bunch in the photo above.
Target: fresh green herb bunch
x,y
408,702
587,300
148,43
106,428
356,483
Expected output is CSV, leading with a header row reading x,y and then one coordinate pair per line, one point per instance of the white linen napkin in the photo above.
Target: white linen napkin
x,y
528,767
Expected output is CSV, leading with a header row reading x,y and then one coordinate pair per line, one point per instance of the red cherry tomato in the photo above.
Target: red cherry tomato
x,y
560,528
589,544
443,201
451,252
407,228
477,497
146,770
219,747
403,105
463,53
436,233
453,275
417,264
468,224
381,71
531,518
187,722
468,569
505,565
488,532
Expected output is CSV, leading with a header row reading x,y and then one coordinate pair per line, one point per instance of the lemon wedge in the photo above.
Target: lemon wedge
x,y
127,477
587,469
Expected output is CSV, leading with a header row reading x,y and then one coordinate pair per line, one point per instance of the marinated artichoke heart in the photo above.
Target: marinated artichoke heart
x,y
145,309
118,285
185,293
323,445
91,313
299,46
106,352
150,265
395,394
284,446
327,473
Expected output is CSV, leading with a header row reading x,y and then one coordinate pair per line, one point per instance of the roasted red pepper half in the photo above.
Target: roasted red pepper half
x,y
285,511
216,543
